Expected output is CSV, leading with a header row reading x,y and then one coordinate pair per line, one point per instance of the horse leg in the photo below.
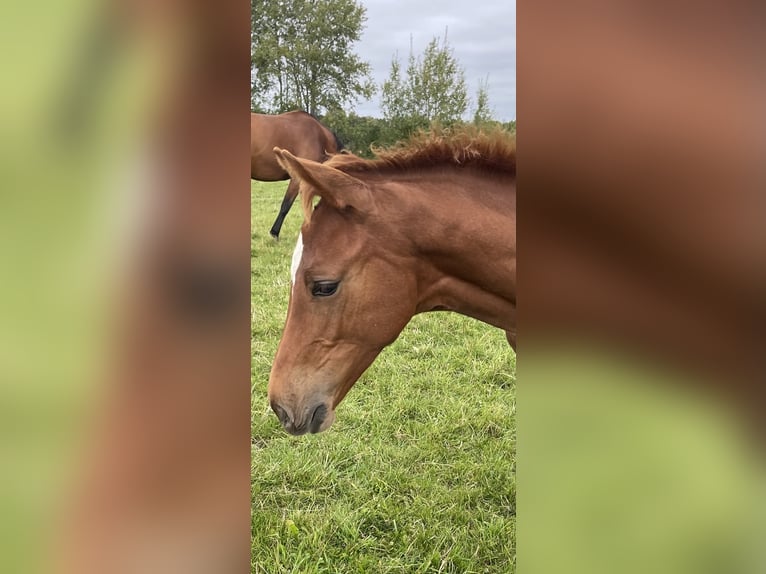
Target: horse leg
x,y
287,203
511,335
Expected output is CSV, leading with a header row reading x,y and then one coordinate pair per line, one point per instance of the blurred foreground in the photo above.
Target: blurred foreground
x,y
642,287
124,355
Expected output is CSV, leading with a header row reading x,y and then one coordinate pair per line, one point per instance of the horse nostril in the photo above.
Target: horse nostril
x,y
317,418
280,412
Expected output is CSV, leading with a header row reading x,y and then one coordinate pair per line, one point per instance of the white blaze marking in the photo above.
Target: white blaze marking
x,y
297,255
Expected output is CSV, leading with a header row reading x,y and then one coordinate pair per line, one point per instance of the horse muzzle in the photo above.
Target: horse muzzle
x,y
316,418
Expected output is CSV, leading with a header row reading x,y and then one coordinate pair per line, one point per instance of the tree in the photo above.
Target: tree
x,y
302,56
482,115
433,89
357,133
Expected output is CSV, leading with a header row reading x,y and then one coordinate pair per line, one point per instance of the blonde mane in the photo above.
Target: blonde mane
x,y
467,146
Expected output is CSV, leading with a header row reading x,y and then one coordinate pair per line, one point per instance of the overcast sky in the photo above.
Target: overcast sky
x,y
482,34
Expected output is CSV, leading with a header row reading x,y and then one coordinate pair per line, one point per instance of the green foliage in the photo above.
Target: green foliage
x,y
482,115
433,88
357,133
302,55
360,133
418,472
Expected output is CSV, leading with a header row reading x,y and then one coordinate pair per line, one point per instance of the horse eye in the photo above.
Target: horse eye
x,y
324,288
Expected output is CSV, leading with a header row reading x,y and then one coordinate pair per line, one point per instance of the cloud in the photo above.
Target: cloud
x,y
482,35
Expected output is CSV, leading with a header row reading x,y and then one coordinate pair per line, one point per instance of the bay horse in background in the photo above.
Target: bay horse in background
x,y
429,225
298,132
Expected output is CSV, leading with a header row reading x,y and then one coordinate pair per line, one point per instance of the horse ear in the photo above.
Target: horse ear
x,y
334,186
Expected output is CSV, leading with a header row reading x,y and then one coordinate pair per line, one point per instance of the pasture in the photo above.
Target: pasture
x,y
418,472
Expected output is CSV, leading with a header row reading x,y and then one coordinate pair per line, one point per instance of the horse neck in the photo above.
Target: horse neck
x,y
461,230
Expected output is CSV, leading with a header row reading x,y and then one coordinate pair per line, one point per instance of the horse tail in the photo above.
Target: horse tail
x,y
338,143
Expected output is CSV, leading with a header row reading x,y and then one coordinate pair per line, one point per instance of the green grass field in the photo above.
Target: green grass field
x,y
418,472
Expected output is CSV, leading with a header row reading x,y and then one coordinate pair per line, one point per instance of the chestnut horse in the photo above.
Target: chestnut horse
x,y
300,133
430,225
